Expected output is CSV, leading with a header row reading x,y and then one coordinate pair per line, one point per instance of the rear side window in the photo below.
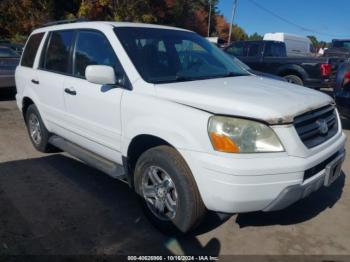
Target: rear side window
x,y
57,57
275,50
31,50
253,49
93,48
237,49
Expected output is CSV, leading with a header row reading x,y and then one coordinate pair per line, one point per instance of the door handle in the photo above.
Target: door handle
x,y
35,82
70,92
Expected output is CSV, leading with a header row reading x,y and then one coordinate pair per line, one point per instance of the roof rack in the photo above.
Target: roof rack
x,y
67,21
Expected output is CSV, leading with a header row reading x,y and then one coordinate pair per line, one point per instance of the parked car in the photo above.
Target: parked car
x,y
186,135
18,48
339,48
296,45
9,59
342,90
271,57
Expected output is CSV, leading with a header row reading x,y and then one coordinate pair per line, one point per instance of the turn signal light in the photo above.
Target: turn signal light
x,y
223,143
346,78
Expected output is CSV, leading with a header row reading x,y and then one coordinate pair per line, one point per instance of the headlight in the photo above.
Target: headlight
x,y
235,135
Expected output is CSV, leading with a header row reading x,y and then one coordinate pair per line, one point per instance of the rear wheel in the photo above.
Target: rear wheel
x,y
293,79
38,134
167,190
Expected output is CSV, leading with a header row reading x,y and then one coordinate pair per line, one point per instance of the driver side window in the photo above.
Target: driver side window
x,y
93,48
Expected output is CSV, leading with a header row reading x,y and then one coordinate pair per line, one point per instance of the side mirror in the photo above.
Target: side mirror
x,y
100,74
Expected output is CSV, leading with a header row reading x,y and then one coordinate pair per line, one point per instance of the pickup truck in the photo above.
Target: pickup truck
x,y
271,57
339,48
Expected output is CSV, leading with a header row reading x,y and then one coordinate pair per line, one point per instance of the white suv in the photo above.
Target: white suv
x,y
182,123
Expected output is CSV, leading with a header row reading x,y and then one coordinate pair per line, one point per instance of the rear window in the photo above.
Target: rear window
x,y
31,50
339,43
57,56
7,52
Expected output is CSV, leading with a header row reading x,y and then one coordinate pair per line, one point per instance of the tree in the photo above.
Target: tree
x,y
313,40
255,37
20,17
223,29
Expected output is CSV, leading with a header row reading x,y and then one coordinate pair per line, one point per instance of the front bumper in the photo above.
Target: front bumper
x,y
256,182
294,193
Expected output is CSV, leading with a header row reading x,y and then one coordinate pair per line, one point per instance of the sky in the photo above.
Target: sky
x,y
327,19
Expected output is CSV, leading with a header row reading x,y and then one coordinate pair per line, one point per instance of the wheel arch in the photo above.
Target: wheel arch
x,y
292,70
26,102
138,145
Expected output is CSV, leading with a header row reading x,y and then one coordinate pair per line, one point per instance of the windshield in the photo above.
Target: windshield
x,y
343,43
241,64
165,56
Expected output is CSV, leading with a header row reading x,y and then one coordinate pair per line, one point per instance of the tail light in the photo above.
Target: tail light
x,y
326,69
346,78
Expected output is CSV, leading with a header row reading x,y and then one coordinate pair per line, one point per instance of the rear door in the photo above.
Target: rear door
x,y
54,67
25,73
94,110
254,55
274,57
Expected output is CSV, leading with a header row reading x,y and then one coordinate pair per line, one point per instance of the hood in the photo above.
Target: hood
x,y
267,75
272,101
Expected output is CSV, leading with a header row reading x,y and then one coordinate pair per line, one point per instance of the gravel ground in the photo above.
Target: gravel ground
x,y
54,204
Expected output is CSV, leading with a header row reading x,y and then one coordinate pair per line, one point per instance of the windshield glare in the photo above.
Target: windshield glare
x,y
165,55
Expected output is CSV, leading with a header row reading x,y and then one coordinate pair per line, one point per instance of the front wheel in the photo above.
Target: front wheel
x,y
167,190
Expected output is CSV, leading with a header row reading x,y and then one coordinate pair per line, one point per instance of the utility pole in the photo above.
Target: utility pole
x,y
209,18
231,22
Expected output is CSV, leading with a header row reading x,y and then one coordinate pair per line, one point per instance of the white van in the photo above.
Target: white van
x,y
296,45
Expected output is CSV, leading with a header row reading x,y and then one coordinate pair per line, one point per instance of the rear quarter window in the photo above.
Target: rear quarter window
x,y
31,49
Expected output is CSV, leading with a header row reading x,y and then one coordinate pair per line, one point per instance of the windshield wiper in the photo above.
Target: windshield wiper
x,y
231,74
177,78
180,78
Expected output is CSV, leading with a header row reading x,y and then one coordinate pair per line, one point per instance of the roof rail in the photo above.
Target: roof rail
x,y
67,21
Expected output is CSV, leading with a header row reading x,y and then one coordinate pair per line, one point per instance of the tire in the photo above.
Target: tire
x,y
40,137
175,181
293,79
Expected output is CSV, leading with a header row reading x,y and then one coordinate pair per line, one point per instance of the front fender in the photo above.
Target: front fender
x,y
182,126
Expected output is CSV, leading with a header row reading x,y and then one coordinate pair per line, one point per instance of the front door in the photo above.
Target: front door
x,y
94,110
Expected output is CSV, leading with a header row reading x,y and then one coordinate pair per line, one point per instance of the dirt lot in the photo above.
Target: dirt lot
x,y
54,204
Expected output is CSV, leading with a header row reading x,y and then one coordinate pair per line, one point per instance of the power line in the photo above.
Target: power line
x,y
290,22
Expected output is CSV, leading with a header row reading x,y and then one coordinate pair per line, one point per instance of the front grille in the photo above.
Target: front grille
x,y
316,126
